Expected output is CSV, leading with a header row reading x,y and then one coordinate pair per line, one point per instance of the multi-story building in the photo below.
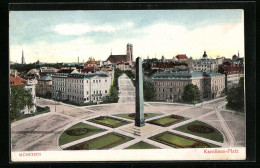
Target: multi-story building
x,y
205,64
169,86
81,88
44,85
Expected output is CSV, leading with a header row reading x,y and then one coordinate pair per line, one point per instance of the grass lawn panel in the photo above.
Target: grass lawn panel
x,y
180,141
142,145
215,136
103,142
148,115
65,138
167,121
109,121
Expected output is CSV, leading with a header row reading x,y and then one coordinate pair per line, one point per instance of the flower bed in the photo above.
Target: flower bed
x,y
103,142
180,141
109,121
168,120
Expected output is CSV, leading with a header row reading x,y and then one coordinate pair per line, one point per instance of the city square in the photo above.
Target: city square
x,y
42,132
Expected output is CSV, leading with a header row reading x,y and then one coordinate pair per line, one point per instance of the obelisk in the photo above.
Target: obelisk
x,y
139,102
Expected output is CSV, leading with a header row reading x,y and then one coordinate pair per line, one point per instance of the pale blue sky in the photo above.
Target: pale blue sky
x,y
53,36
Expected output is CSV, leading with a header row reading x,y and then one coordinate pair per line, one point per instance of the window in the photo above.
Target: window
x,y
93,81
170,89
105,91
99,80
87,92
94,92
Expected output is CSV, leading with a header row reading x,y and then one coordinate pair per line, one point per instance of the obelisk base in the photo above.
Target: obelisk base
x,y
140,131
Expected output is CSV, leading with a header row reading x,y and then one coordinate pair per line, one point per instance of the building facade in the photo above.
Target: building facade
x,y
81,88
205,64
44,85
169,86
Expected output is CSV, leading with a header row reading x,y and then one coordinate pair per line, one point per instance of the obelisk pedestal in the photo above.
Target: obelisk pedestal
x,y
139,102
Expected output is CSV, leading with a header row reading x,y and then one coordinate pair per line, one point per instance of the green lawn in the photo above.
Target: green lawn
x,y
166,121
147,115
177,141
215,136
103,142
65,138
142,145
109,121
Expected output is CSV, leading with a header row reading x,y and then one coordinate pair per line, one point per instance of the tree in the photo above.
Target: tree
x,y
48,95
191,93
148,91
19,99
235,96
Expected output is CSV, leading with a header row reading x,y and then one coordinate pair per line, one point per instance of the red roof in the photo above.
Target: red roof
x,y
88,69
17,81
181,57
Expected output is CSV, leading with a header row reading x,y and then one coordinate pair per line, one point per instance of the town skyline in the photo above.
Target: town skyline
x,y
55,36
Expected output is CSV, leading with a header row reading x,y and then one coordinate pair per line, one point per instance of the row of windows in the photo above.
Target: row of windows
x,y
170,83
59,83
171,89
166,96
202,66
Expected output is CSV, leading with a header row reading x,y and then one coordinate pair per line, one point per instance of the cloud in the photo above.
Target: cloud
x,y
83,28
158,39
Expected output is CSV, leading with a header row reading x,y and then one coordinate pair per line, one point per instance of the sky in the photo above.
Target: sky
x,y
63,36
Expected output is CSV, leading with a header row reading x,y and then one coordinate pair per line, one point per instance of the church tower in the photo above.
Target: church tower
x,y
129,53
23,61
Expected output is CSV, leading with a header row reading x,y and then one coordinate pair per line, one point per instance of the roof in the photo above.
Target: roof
x,y
181,56
65,70
204,60
117,58
176,75
183,75
60,75
17,81
85,75
46,78
88,69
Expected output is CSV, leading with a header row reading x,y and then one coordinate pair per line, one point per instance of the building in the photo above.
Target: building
x,y
169,86
205,64
128,58
44,85
47,71
233,72
29,86
91,63
81,88
181,57
172,66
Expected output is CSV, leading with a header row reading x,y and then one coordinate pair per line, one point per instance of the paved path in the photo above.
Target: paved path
x,y
126,89
42,132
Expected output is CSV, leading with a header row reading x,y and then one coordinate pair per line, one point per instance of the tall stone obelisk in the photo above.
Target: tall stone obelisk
x,y
139,102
